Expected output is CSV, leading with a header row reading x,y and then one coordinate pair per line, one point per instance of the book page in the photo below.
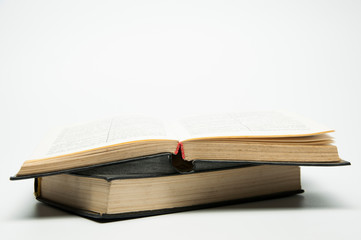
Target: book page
x,y
249,125
101,133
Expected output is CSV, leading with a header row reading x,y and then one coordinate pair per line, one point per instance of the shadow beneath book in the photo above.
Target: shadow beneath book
x,y
41,210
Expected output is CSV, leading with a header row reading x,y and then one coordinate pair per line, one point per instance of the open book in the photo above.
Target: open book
x,y
248,136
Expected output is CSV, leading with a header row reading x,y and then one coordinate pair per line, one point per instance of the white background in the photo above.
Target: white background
x,y
68,61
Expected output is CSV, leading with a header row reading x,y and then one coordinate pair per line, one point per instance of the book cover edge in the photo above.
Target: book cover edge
x,y
130,215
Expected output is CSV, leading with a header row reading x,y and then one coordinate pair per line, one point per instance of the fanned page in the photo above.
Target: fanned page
x,y
124,129
101,133
249,125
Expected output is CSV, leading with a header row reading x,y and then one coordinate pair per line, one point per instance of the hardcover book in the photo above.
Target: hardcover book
x,y
152,186
273,137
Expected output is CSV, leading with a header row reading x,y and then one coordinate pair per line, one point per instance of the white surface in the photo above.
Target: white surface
x,y
68,61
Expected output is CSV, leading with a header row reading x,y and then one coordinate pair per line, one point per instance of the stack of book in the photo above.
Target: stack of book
x,y
132,166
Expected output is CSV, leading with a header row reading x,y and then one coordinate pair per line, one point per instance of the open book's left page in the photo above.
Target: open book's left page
x,y
102,133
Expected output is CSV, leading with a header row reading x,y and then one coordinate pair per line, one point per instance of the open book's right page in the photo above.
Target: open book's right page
x,y
249,125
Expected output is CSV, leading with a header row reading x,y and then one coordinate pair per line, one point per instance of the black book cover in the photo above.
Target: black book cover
x,y
159,165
